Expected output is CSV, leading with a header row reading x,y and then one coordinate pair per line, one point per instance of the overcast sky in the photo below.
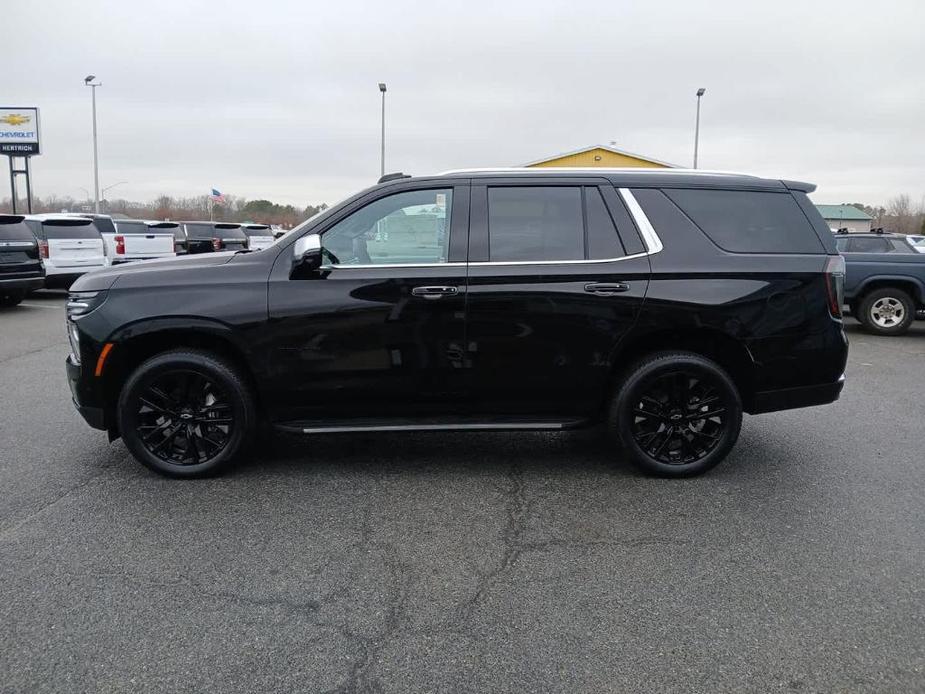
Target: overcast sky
x,y
279,100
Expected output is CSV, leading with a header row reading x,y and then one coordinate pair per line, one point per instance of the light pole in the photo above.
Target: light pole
x,y
382,155
88,80
111,187
700,93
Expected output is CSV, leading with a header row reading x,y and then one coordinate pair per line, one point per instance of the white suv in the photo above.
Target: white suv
x,y
68,246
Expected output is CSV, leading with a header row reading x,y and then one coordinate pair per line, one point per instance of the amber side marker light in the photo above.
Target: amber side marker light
x,y
101,361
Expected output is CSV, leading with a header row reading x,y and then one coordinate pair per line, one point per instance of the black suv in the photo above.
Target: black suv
x,y
662,303
21,268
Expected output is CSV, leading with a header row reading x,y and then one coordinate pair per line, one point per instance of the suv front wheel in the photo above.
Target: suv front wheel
x,y
186,413
676,414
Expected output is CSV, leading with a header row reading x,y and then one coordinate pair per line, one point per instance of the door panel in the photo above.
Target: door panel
x,y
542,333
357,340
539,342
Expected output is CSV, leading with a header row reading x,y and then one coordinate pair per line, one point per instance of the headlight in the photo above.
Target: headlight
x,y
79,304
74,338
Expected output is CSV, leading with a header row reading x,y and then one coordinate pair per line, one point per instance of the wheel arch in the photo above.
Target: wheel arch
x,y
138,342
911,285
731,354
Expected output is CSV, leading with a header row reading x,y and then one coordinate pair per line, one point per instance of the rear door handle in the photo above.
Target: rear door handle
x,y
606,288
434,292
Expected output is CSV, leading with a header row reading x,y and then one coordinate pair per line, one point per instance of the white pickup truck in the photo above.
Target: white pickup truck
x,y
134,239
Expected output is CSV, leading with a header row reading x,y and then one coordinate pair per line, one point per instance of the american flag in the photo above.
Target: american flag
x,y
217,196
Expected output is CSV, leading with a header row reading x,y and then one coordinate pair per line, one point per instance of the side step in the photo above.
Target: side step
x,y
342,426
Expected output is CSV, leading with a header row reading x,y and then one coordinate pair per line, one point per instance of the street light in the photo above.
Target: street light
x,y
88,81
111,187
700,93
382,156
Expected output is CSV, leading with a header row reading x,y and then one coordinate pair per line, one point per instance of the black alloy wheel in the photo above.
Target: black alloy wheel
x,y
677,414
183,418
185,414
679,418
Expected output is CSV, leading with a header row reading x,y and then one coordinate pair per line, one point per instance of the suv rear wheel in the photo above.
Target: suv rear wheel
x,y
186,413
676,414
887,311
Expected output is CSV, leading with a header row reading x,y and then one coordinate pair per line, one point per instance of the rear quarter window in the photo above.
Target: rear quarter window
x,y
748,221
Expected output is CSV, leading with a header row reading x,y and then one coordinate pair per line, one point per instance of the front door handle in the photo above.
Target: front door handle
x,y
434,292
606,288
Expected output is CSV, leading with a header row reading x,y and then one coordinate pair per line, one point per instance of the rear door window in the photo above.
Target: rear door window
x,y
748,221
551,223
535,224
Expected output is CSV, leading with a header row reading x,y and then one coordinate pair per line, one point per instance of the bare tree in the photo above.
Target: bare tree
x,y
902,217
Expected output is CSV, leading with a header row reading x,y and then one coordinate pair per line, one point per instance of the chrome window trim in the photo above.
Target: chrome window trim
x,y
649,237
368,266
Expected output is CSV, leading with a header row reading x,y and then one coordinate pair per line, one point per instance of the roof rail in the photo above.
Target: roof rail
x,y
393,177
591,169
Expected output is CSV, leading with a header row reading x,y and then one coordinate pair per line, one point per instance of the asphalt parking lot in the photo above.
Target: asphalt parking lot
x,y
465,563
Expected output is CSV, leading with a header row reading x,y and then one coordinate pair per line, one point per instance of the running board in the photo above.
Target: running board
x,y
429,424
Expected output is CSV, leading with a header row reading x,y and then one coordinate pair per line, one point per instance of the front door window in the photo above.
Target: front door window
x,y
409,228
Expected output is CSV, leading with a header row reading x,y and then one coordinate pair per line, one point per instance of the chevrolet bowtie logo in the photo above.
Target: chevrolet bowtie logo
x,y
15,119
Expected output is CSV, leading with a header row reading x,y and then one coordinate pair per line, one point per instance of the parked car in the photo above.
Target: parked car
x,y
259,236
207,237
662,303
135,239
68,246
885,281
21,269
917,241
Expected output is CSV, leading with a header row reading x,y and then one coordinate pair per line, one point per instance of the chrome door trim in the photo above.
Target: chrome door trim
x,y
649,237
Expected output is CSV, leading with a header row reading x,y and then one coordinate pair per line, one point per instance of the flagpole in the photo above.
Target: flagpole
x,y
211,207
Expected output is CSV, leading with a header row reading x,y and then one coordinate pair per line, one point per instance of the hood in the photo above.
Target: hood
x,y
99,280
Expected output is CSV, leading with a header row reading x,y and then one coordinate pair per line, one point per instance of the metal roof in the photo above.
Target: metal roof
x,y
609,148
843,212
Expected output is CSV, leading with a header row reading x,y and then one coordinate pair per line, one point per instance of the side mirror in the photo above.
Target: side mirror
x,y
306,256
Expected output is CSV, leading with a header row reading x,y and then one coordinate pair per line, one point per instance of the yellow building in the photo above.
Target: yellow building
x,y
602,155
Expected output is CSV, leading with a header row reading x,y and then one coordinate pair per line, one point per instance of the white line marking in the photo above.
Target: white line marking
x,y
56,308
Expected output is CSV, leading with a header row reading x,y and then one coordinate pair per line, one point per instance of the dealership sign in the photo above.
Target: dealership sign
x,y
19,131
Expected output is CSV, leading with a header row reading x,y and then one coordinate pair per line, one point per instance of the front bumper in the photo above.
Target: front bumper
x,y
792,398
94,416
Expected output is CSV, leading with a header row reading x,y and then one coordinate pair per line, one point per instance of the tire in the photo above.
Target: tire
x,y
186,414
11,297
653,415
887,311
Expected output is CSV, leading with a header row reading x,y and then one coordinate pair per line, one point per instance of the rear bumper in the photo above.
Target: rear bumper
x,y
792,398
94,416
26,283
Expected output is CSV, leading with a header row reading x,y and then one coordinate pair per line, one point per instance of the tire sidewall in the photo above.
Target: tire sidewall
x,y
868,303
643,374
208,366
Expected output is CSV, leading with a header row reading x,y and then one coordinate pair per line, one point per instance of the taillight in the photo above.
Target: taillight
x,y
120,245
835,284
43,249
217,244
